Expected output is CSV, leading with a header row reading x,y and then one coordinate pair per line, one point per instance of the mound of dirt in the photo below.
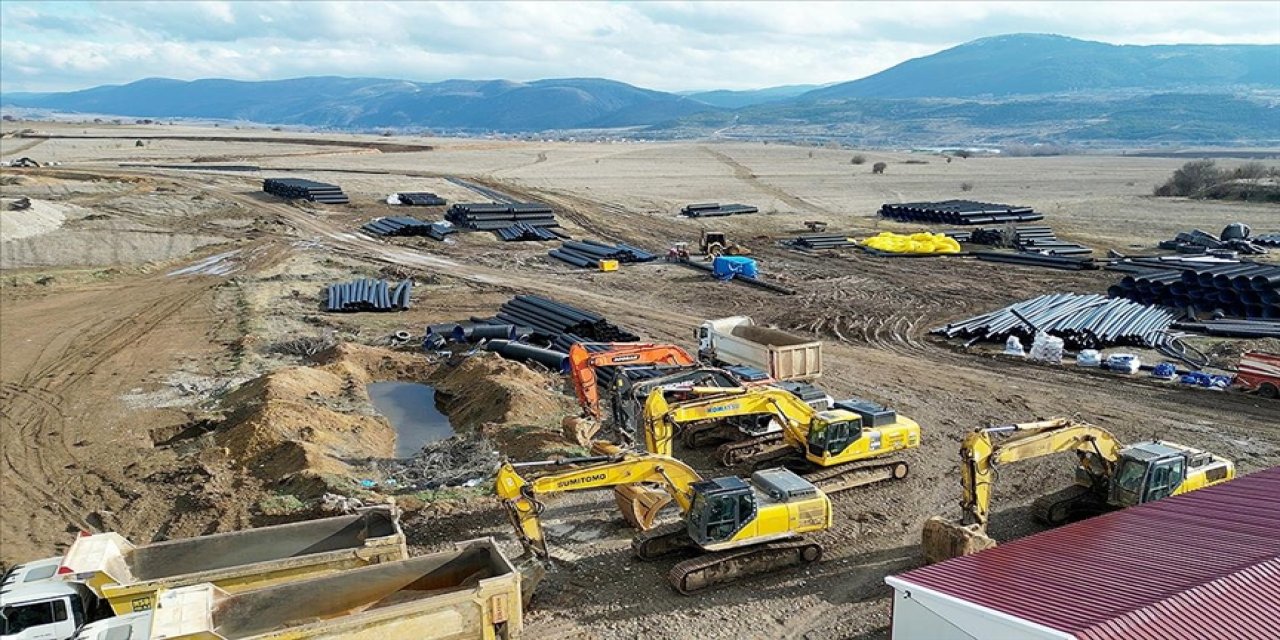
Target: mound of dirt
x,y
485,388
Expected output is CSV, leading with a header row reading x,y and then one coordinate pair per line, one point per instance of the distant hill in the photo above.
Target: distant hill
x,y
1029,64
570,103
735,99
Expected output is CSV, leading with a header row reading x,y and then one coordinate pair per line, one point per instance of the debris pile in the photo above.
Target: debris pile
x,y
961,212
398,226
521,231
299,188
715,209
420,199
1082,321
1242,289
589,253
462,460
368,295
491,217
1233,240
1031,239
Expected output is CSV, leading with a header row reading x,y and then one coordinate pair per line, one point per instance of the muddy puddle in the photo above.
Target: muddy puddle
x,y
410,407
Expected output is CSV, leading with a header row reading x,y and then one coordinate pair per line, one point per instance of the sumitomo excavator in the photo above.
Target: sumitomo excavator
x,y
738,527
769,426
1108,476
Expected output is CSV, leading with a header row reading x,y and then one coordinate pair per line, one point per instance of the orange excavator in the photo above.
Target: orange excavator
x,y
584,358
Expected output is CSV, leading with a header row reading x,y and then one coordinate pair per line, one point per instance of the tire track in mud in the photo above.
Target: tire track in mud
x,y
744,173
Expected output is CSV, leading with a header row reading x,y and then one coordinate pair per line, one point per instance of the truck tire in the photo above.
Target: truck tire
x,y
1268,390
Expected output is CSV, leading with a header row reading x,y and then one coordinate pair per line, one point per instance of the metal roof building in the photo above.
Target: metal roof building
x,y
1202,565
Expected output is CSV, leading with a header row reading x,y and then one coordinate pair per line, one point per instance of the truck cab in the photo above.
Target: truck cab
x,y
46,610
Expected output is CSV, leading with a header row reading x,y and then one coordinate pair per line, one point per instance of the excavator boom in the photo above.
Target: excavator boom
x,y
622,471
584,358
661,419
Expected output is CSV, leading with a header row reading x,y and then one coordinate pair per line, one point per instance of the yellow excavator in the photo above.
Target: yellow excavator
x,y
774,427
1108,476
741,527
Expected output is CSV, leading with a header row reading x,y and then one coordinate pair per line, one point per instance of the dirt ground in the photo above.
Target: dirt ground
x,y
125,362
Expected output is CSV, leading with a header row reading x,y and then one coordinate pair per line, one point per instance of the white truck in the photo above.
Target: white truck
x,y
737,340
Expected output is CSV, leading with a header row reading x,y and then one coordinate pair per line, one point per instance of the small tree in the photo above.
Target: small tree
x,y
1191,178
858,159
879,167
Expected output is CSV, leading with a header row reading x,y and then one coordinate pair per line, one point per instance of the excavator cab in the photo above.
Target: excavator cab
x,y
1150,471
720,508
831,432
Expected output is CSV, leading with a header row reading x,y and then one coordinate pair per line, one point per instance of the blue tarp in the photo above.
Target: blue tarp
x,y
726,267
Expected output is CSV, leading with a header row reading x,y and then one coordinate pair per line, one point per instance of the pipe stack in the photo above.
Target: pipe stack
x,y
1082,321
522,231
1242,290
490,217
398,226
298,188
421,199
553,318
589,253
368,295
824,241
715,209
961,212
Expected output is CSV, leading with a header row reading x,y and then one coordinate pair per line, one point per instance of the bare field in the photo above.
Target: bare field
x,y
87,342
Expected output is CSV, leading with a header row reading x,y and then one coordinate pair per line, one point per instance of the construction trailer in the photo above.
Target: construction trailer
x,y
1205,564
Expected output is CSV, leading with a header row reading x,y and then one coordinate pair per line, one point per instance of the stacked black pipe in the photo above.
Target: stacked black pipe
x,y
1067,263
421,199
1268,240
1032,239
961,212
368,295
1242,290
715,209
295,188
490,217
398,226
553,318
589,253
522,231
824,241
438,230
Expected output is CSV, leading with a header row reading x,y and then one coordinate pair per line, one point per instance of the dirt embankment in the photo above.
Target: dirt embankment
x,y
308,426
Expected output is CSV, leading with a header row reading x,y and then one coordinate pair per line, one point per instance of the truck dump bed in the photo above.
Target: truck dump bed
x,y
470,592
738,340
128,575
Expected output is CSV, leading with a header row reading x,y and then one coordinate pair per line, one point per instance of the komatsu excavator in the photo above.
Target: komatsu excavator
x,y
1108,476
584,358
742,527
781,429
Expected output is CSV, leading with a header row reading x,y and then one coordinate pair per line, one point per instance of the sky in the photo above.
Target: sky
x,y
670,46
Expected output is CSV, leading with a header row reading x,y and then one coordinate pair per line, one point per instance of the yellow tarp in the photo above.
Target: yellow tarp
x,y
915,243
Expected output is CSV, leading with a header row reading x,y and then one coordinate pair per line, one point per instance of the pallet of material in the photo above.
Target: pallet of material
x,y
299,188
959,212
715,209
398,226
421,199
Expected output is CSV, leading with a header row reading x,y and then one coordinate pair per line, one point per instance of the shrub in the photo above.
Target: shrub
x,y
1190,179
1251,181
858,159
966,186
963,153
879,167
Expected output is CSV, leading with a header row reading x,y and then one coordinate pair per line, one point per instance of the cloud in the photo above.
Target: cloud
x,y
663,45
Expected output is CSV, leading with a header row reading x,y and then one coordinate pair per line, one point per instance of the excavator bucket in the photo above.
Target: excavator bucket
x,y
640,505
944,539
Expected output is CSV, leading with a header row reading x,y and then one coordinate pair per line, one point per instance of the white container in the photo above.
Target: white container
x,y
1089,358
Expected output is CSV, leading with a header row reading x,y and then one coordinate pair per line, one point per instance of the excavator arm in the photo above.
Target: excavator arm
x,y
982,455
583,361
661,419
521,496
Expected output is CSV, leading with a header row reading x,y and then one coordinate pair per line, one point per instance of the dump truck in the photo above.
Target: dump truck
x,y
470,592
127,576
737,340
1259,372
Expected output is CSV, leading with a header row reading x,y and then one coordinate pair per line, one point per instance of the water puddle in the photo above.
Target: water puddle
x,y
410,408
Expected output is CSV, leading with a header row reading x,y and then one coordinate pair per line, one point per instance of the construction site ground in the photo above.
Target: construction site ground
x,y
168,370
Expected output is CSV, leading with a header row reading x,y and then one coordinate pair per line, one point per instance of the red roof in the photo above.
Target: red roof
x,y
1200,565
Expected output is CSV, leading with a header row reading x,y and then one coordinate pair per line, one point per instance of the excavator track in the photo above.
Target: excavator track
x,y
696,436
1069,504
843,479
661,541
696,574
758,450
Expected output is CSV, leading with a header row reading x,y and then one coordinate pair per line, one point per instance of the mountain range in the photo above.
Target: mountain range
x,y
1014,87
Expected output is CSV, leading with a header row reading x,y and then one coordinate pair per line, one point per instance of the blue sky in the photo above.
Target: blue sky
x,y
673,46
